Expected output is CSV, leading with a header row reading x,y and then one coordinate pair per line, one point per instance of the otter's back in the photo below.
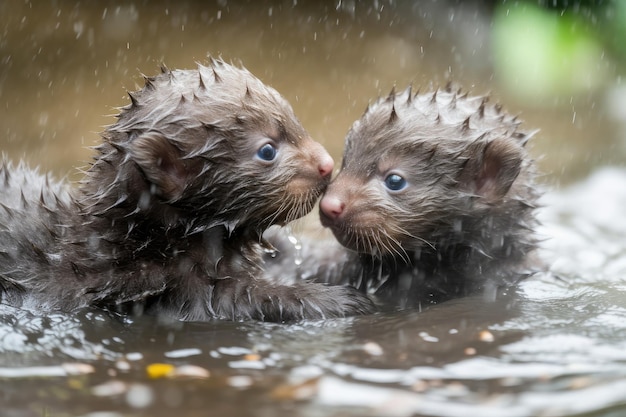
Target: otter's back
x,y
33,213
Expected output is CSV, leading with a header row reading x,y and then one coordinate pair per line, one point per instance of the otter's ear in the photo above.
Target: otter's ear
x,y
161,163
491,169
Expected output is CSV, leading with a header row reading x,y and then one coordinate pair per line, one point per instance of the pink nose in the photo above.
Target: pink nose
x,y
332,207
325,165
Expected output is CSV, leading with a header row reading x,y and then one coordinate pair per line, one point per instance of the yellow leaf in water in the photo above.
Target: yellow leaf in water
x,y
159,370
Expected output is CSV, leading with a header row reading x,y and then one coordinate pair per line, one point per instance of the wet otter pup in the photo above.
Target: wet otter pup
x,y
170,213
434,200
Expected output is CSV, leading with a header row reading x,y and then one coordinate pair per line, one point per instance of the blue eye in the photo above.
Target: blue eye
x,y
395,182
267,152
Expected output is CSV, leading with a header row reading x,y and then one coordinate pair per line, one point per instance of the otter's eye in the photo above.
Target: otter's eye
x,y
267,152
395,182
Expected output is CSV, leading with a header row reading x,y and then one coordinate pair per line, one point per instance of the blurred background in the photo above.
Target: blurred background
x,y
65,66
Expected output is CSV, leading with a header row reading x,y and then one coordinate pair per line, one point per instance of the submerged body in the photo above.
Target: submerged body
x,y
435,200
169,215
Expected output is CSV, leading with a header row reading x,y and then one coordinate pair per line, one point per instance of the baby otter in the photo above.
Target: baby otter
x,y
170,213
435,199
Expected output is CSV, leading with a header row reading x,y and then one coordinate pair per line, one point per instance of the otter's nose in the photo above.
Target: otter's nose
x,y
325,165
320,157
332,207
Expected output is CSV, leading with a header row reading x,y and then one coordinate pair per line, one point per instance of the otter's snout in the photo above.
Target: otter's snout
x,y
340,202
325,163
312,168
331,208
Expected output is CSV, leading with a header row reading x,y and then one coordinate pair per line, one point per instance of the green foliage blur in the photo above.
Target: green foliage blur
x,y
548,48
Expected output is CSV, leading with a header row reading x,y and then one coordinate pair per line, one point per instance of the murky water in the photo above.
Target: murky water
x,y
556,346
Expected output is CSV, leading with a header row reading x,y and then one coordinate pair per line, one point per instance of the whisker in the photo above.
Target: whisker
x,y
396,247
403,231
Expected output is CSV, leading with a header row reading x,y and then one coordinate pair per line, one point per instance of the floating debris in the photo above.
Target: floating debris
x,y
470,351
486,336
373,348
252,357
160,370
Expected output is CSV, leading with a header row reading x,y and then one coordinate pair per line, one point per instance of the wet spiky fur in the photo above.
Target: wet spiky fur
x,y
169,215
463,223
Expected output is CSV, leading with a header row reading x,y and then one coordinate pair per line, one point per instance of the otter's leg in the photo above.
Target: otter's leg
x,y
257,299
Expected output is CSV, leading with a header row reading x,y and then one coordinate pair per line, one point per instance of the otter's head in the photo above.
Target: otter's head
x,y
217,146
425,171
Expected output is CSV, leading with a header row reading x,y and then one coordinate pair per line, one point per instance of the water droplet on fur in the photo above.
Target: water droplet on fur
x,y
271,252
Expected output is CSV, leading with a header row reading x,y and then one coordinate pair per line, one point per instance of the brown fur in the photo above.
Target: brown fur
x,y
462,224
169,216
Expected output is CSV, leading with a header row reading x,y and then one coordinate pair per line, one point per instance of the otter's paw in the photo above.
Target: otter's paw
x,y
317,301
353,302
239,299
